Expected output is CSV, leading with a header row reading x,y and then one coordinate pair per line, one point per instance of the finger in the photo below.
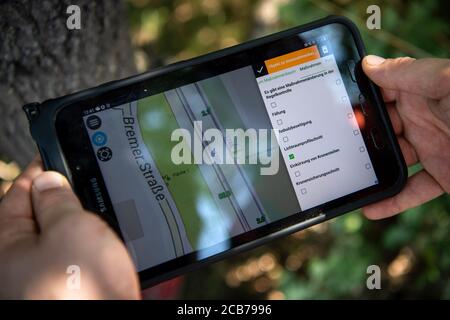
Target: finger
x,y
408,151
388,95
441,110
17,201
425,77
420,188
396,120
53,199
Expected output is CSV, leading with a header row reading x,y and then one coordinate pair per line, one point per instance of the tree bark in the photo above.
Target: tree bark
x,y
40,59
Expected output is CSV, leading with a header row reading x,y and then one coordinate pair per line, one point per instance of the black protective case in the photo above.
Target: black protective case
x,y
42,117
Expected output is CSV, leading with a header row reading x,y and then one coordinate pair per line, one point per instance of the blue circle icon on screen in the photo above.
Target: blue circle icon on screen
x,y
99,139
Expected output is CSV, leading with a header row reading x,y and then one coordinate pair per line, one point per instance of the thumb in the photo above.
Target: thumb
x,y
53,199
421,77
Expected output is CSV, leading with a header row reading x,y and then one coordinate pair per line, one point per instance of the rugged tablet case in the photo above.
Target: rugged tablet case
x,y
42,116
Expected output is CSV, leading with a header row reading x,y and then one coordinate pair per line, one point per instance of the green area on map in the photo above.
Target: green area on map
x,y
184,181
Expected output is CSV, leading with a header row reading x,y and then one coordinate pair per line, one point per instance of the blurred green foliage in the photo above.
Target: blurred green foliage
x,y
329,260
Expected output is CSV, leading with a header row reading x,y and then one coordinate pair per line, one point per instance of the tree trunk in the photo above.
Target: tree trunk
x,y
40,59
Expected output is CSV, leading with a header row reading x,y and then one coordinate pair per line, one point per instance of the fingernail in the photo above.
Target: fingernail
x,y
48,180
374,60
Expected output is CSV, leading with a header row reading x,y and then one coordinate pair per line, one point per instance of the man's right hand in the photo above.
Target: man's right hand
x,y
417,96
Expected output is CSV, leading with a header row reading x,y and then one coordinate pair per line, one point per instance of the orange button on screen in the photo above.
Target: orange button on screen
x,y
292,59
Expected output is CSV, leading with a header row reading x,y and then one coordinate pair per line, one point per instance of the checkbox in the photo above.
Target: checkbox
x,y
338,82
291,156
279,122
273,104
349,115
303,191
362,149
297,173
285,139
355,132
368,166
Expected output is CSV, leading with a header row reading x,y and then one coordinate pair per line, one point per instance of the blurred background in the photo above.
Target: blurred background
x,y
329,260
